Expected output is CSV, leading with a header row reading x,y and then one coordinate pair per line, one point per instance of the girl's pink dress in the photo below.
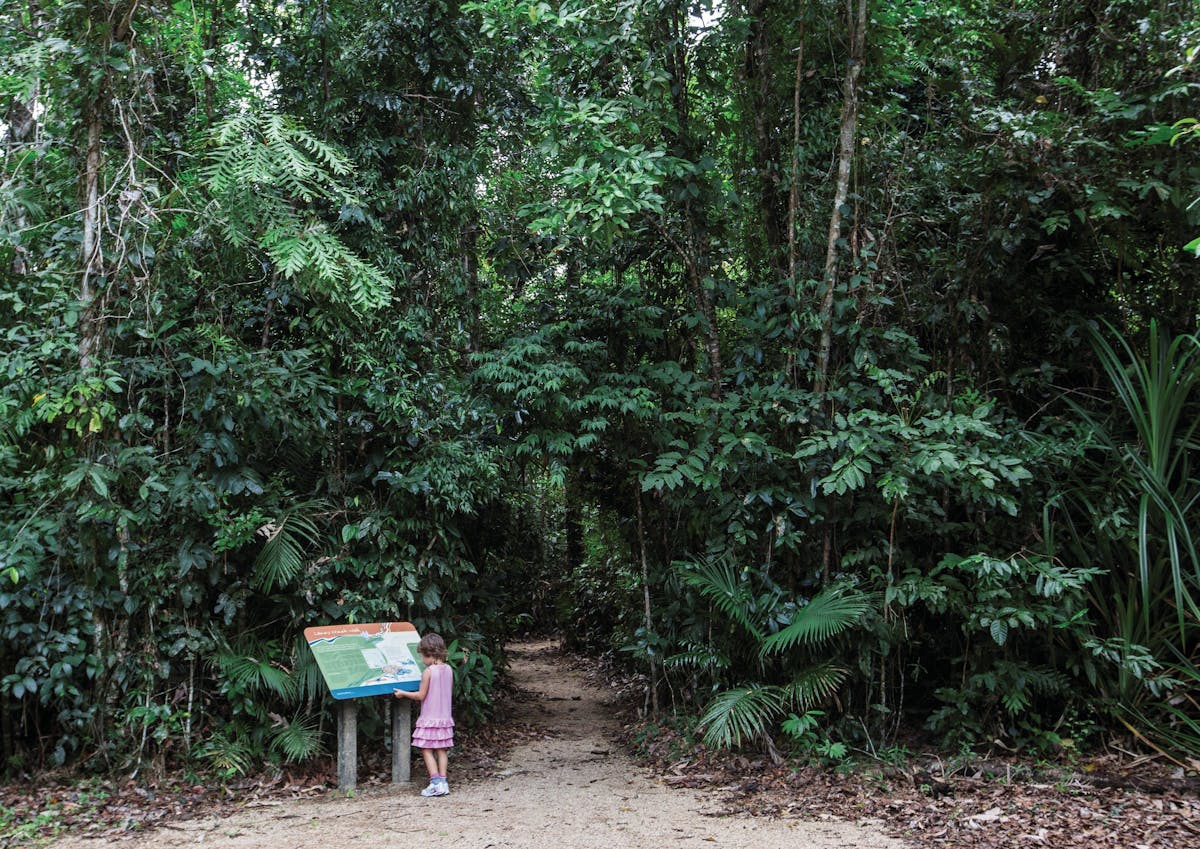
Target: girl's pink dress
x,y
435,725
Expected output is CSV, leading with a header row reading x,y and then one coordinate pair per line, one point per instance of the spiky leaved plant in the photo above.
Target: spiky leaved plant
x,y
1141,523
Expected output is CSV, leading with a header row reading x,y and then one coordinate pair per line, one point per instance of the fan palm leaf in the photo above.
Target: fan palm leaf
x,y
719,582
742,714
298,739
828,614
281,558
248,667
815,685
229,753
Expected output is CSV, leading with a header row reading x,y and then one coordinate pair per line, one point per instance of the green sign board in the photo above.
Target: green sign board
x,y
367,660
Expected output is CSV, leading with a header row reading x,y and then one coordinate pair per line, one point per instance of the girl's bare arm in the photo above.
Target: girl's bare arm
x,y
418,696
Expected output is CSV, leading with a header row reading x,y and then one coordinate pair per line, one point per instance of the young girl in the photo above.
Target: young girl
x,y
434,731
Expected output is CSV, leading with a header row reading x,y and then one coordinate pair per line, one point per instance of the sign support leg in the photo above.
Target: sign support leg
x,y
401,741
347,736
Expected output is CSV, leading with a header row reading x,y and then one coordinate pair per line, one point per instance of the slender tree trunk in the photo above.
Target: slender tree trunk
x,y
108,23
265,341
324,53
8,731
646,610
91,255
794,186
115,22
470,259
573,524
215,9
712,339
91,329
849,123
20,120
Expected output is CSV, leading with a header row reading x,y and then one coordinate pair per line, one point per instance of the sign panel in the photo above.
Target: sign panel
x,y
367,660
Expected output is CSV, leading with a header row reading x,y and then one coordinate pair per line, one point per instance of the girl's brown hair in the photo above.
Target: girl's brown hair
x,y
432,645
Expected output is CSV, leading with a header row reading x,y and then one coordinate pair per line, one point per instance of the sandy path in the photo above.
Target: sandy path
x,y
573,789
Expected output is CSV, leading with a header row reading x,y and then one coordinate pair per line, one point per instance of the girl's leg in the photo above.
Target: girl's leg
x,y
430,763
442,760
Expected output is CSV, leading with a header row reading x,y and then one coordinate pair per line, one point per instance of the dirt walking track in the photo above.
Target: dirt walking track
x,y
570,789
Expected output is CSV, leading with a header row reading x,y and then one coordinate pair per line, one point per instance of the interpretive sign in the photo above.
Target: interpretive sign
x,y
367,660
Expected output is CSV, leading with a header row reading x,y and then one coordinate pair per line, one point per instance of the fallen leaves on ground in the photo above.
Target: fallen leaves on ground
x,y
989,804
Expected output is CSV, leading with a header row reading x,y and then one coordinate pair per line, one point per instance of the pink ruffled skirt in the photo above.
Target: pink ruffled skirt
x,y
433,734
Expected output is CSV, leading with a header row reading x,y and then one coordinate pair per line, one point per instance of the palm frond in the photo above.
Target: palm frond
x,y
250,671
228,752
282,556
298,739
310,683
815,685
742,714
828,614
697,657
718,581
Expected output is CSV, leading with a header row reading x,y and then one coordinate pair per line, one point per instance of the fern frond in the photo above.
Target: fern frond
x,y
830,612
267,175
741,714
1048,682
22,70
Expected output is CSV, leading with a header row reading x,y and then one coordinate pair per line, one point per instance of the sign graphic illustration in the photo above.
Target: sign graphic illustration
x,y
367,660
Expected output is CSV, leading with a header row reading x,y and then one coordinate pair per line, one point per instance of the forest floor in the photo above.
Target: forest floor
x,y
554,773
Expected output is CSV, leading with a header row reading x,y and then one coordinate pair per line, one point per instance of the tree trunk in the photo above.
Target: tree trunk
x,y
117,26
216,12
108,24
573,524
91,255
21,120
324,54
712,339
648,619
470,259
849,123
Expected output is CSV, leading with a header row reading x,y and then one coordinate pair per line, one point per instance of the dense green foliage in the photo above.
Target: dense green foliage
x,y
837,364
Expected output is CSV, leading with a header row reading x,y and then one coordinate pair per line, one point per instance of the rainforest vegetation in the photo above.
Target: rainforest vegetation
x,y
833,365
